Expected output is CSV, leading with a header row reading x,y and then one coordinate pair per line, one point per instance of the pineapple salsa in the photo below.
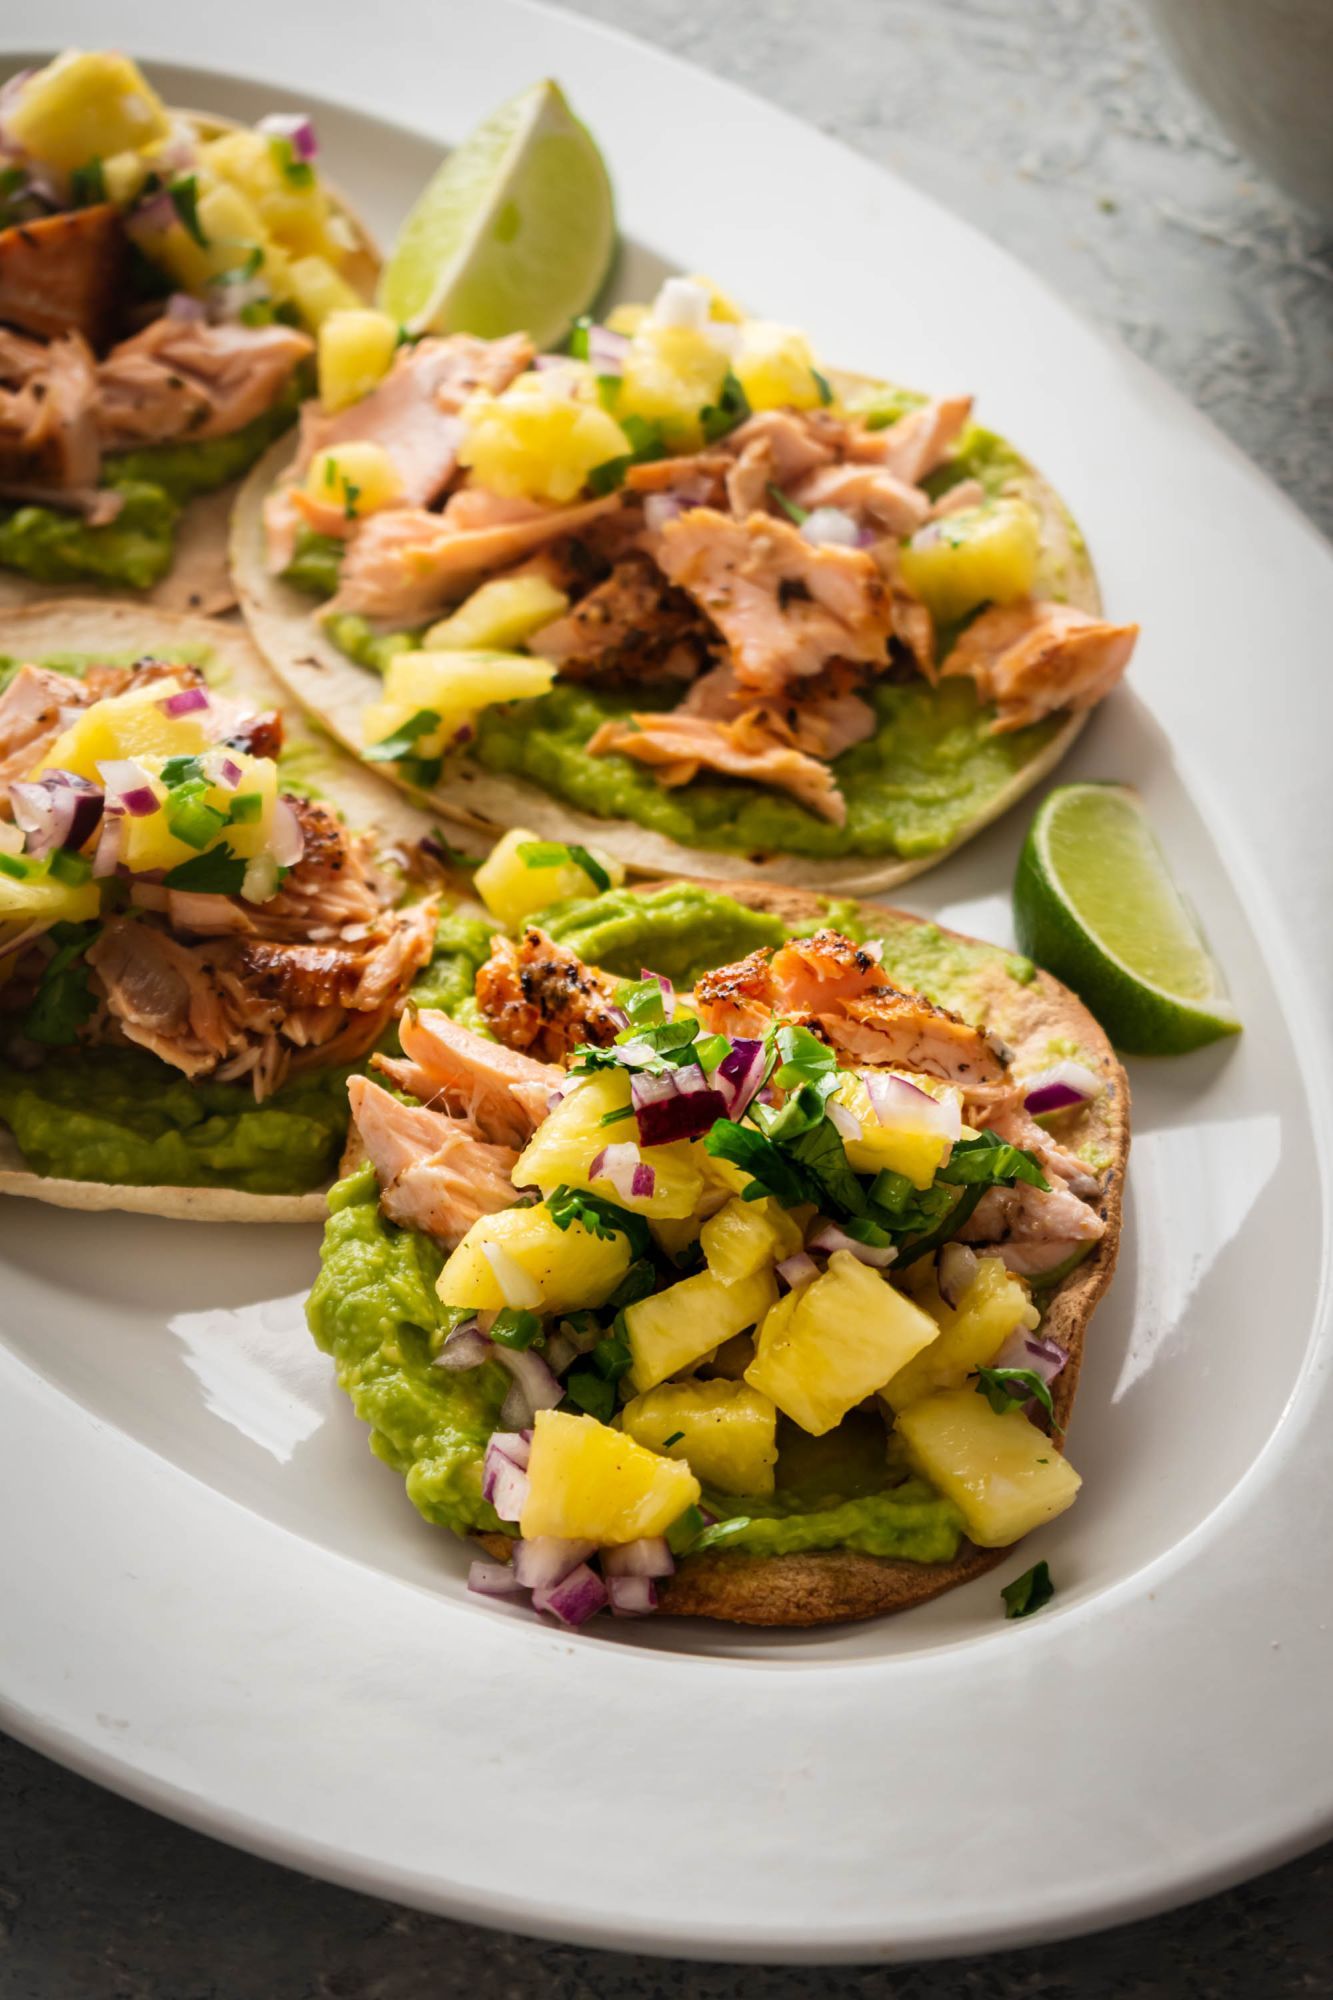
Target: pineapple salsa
x,y
716,1300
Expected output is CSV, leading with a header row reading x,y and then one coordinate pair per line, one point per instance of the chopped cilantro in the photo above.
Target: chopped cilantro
x,y
1009,1388
731,408
771,1171
87,185
601,1217
185,200
391,748
64,1000
646,443
824,386
241,274
1027,1593
685,1530
68,867
578,338
790,508
219,872
592,1393
675,1438
351,494
554,853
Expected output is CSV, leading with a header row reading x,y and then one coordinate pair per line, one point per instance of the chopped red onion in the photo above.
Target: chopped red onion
x,y
631,1596
659,508
59,809
128,787
545,1560
955,1267
668,991
682,1104
287,842
897,1102
739,1075
607,351
1029,1350
106,855
186,701
560,1351
492,1579
842,1120
1060,1088
830,527
829,1237
152,217
797,1269
516,1446
465,1347
296,129
620,1164
220,769
575,1599
503,1483
534,1386
619,1017
649,1557
180,306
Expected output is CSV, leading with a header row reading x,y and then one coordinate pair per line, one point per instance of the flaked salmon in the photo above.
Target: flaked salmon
x,y
823,717
1032,1229
783,606
539,997
887,502
435,1172
1031,659
917,443
48,424
184,379
64,274
30,721
679,746
504,1094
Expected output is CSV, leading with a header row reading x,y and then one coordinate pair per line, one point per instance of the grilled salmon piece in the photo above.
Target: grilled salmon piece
x,y
633,625
504,1094
913,447
48,425
540,998
183,379
1034,658
679,746
435,1172
64,274
1032,1229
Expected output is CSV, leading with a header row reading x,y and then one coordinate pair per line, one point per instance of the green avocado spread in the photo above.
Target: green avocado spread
x,y
374,1307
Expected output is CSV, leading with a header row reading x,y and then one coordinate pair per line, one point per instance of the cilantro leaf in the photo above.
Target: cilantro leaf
x,y
675,1438
824,1157
578,338
184,194
64,999
790,508
1010,1388
87,185
1027,1593
824,386
636,1284
590,1392
218,872
601,1217
992,1161
391,748
731,408
646,444
553,853
771,1170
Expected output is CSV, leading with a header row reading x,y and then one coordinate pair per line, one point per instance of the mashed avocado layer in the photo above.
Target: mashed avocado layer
x,y
374,1307
120,1115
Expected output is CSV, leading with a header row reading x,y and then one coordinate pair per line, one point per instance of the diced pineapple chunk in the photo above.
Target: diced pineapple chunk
x,y
776,367
745,1235
626,319
1003,1474
501,614
357,478
355,351
42,899
970,1335
537,440
671,375
674,1328
568,1140
984,554
720,307
318,290
904,1146
85,106
512,887
453,686
567,1268
295,212
726,1432
588,1483
123,175
126,725
150,842
837,1341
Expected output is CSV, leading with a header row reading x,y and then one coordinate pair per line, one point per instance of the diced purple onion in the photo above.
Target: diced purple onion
x,y
545,1560
59,809
897,1102
631,1596
534,1387
129,788
619,1017
829,1237
296,129
798,1269
667,989
1029,1350
466,1347
659,508
620,1164
516,1446
843,1121
575,1599
650,1556
493,1579
1060,1088
220,769
607,351
288,839
106,855
560,1351
830,527
739,1075
683,1104
152,217
181,306
186,701
503,1483
955,1267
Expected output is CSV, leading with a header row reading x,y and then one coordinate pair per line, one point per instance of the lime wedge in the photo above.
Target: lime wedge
x,y
515,232
1095,904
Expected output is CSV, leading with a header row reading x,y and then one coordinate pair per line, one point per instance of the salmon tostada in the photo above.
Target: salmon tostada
x,y
728,1251
758,617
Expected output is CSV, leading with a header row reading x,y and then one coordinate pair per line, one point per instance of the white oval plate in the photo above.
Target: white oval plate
x,y
214,1600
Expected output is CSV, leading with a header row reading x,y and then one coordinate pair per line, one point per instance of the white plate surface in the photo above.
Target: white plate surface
x,y
214,1600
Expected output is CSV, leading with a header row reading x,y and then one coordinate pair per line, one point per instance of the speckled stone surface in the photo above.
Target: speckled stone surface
x,y
1055,125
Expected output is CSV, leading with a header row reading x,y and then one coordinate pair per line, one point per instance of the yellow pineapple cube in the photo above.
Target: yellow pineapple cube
x,y
357,478
671,375
971,1335
319,290
905,1146
980,555
150,842
500,615
745,1235
537,440
533,1264
569,1139
725,1431
1003,1474
126,725
775,366
123,176
355,351
588,1483
675,1328
85,106
451,685
42,899
512,888
838,1340
626,319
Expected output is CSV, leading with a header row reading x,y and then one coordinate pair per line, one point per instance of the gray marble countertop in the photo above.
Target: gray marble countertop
x,y
1054,125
